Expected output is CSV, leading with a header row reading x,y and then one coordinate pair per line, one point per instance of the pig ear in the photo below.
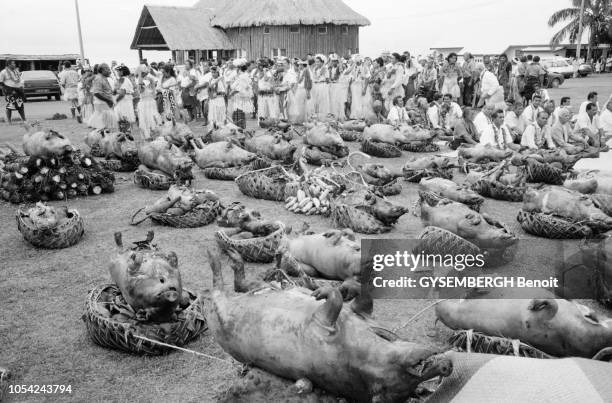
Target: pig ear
x,y
172,259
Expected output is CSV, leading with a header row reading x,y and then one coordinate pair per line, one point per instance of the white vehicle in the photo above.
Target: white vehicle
x,y
559,66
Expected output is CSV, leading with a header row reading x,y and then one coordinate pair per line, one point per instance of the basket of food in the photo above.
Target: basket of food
x,y
539,172
434,240
112,323
420,147
152,179
347,216
380,149
498,191
553,227
49,228
256,249
182,207
475,342
268,184
415,175
433,198
231,173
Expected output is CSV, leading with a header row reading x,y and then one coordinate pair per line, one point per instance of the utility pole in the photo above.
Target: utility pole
x,y
579,38
76,5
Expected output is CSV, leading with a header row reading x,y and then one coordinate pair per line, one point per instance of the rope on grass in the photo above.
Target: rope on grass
x,y
184,350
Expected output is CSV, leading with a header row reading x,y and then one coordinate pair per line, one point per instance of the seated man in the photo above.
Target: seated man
x,y
513,119
531,111
497,134
605,120
464,130
483,119
537,135
563,137
398,114
454,113
587,125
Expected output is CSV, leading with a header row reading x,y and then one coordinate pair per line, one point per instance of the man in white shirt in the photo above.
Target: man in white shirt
x,y
565,103
483,119
530,112
587,124
454,113
201,88
537,135
591,98
491,92
605,120
497,134
513,119
433,113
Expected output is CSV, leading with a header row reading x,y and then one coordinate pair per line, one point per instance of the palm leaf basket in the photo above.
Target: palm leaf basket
x,y
420,147
199,216
350,135
538,172
549,226
267,184
433,198
153,180
63,236
230,174
118,165
380,150
499,191
435,240
110,333
254,250
345,216
475,342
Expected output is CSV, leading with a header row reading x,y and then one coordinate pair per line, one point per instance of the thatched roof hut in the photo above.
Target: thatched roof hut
x,y
247,28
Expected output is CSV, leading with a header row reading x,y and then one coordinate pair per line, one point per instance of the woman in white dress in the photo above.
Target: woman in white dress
x,y
124,107
216,95
450,73
393,84
338,89
320,88
240,95
356,87
366,92
148,117
267,99
299,95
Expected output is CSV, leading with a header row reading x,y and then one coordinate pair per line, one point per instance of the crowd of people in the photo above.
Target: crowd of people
x,y
499,102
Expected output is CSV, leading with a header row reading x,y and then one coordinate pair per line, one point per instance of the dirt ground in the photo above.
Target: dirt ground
x,y
42,293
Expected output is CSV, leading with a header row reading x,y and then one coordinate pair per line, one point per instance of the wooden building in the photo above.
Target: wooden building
x,y
250,29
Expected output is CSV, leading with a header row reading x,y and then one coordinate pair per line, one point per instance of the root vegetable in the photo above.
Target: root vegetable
x,y
301,195
317,202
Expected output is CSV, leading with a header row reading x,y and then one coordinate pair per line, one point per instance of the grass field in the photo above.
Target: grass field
x,y
42,293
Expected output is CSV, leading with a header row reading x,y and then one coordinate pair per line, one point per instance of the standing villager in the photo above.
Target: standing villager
x,y
534,75
267,101
285,78
187,82
470,76
393,84
428,80
85,95
216,104
491,93
504,70
337,93
366,77
451,74
377,76
320,88
410,75
354,71
521,78
104,116
167,87
12,87
124,107
240,95
299,95
148,117
201,89
69,81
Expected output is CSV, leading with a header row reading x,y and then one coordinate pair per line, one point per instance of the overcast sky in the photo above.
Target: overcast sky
x,y
49,27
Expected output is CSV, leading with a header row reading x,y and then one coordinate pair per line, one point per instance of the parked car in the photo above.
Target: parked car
x,y
41,83
585,69
560,66
553,80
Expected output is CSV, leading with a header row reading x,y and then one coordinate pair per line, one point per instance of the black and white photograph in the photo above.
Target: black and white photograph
x,y
304,201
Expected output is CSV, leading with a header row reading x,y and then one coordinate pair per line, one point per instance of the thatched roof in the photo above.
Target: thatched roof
x,y
247,13
178,28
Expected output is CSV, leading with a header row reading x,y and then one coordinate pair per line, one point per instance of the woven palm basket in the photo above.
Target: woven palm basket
x,y
415,175
267,184
420,147
199,216
118,165
499,191
549,226
337,151
380,150
435,240
254,250
432,198
66,234
475,342
230,174
349,135
153,180
538,172
392,188
111,333
345,216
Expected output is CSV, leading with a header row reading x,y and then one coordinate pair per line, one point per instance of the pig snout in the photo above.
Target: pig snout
x,y
436,366
170,295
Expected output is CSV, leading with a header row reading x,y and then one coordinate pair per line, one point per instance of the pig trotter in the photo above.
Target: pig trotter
x,y
328,313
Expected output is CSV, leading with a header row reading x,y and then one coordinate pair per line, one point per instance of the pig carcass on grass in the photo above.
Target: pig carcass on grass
x,y
167,158
270,145
148,279
222,154
46,144
111,144
322,135
480,153
450,190
298,334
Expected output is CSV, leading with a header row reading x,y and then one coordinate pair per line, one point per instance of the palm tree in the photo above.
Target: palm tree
x,y
597,19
